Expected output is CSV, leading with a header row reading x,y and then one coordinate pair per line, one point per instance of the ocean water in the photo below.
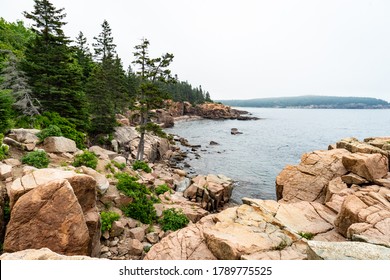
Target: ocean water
x,y
254,159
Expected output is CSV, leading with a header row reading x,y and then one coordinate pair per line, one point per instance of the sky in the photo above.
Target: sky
x,y
244,49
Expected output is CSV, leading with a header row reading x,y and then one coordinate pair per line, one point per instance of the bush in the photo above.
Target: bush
x,y
141,208
107,218
88,159
162,189
306,235
3,148
51,130
139,164
5,110
38,159
173,219
118,165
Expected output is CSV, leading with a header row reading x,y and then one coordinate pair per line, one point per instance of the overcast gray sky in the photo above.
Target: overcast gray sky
x,y
241,49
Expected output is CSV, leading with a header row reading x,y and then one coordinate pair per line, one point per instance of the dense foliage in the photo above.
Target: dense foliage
x,y
173,219
141,165
38,159
107,219
88,159
141,208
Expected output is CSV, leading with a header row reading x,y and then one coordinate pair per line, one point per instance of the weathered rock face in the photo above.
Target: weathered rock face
x,y
128,139
317,250
212,191
365,216
84,188
59,145
355,146
48,216
368,166
243,232
41,254
308,180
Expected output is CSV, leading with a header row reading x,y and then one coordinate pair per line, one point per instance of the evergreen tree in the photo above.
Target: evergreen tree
x,y
55,77
83,56
104,46
5,110
109,94
151,72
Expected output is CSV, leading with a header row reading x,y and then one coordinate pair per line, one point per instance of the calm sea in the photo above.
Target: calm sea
x,y
254,159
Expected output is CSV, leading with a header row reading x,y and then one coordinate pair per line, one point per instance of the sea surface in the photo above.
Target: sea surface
x,y
254,158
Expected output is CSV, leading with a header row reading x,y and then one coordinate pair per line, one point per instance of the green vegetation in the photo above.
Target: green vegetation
x,y
88,159
5,110
162,189
118,165
48,119
51,130
38,159
107,219
173,219
141,208
141,165
3,148
307,235
311,102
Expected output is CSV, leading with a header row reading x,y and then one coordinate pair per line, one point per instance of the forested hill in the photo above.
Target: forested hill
x,y
310,101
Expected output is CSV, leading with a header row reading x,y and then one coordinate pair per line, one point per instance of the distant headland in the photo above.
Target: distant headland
x,y
312,102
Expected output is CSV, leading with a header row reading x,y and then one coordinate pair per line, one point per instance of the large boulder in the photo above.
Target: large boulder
x,y
368,166
308,180
84,187
48,216
102,183
59,145
5,171
317,250
25,136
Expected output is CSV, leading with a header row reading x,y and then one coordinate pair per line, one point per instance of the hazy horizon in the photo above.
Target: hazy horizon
x,y
248,49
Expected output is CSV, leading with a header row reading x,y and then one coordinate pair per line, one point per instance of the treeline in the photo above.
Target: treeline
x,y
47,78
311,102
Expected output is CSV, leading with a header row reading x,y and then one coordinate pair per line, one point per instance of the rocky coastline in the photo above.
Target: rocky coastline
x,y
334,205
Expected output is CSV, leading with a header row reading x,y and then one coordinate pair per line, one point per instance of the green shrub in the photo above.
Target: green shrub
x,y
88,159
38,159
162,189
51,130
3,148
173,219
107,218
118,165
129,186
141,208
139,164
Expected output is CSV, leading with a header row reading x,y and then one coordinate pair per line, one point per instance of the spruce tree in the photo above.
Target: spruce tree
x,y
83,56
150,94
54,75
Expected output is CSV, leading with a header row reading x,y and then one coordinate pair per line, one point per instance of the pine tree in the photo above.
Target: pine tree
x,y
83,56
151,72
104,46
109,94
54,75
5,110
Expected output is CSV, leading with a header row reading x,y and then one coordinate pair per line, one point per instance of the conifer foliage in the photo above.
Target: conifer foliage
x,y
54,76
